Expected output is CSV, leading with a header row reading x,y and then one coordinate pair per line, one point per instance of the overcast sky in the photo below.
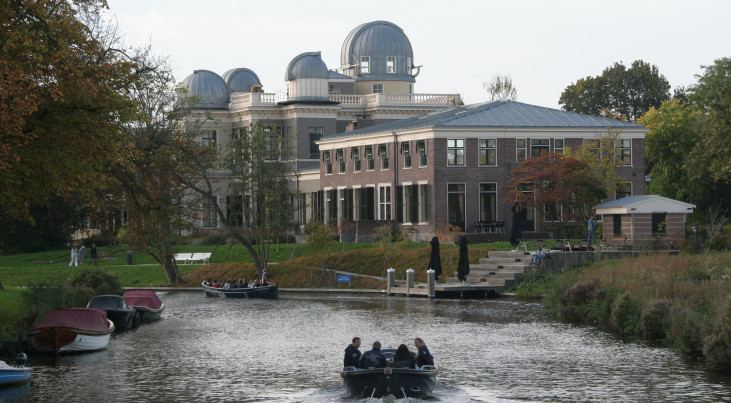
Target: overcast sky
x,y
543,45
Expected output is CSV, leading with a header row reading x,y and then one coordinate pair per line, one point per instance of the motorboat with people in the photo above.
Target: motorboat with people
x,y
72,330
124,316
266,291
401,382
147,303
16,374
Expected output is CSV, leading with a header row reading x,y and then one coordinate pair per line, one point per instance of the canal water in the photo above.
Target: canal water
x,y
291,349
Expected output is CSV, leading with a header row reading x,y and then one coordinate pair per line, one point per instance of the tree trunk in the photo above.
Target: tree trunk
x,y
171,271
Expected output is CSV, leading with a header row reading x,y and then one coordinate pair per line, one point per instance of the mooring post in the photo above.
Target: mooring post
x,y
409,281
391,279
432,283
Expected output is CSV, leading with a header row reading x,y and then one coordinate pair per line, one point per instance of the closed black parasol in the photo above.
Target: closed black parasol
x,y
463,267
435,261
515,232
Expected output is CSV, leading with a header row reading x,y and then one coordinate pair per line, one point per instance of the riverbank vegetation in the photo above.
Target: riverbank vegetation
x,y
681,301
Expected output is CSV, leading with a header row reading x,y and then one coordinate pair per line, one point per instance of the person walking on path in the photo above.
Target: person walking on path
x,y
92,255
591,227
82,255
74,257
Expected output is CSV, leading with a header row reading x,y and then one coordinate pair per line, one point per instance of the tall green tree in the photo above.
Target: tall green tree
x,y
161,153
668,145
619,92
259,205
501,87
62,96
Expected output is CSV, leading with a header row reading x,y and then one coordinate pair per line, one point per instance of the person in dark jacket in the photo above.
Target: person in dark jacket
x,y
373,358
403,358
423,356
352,354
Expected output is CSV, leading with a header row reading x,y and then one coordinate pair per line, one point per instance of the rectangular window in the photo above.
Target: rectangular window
x,y
520,150
623,151
455,152
406,152
340,158
423,202
365,63
370,161
355,156
593,146
384,202
328,162
456,204
617,224
488,202
421,151
659,223
315,135
383,154
378,88
390,64
209,139
539,146
210,218
623,190
272,139
488,152
558,146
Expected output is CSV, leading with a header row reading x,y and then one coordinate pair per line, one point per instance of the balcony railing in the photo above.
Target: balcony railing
x,y
370,100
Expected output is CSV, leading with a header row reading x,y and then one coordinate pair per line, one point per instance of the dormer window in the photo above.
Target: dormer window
x,y
390,64
365,64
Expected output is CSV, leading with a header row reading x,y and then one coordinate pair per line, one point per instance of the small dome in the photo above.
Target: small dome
x,y
389,52
210,89
307,65
241,80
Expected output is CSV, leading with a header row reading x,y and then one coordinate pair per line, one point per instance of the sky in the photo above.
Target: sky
x,y
543,45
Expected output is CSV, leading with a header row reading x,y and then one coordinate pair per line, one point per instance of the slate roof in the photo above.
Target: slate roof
x,y
497,114
644,204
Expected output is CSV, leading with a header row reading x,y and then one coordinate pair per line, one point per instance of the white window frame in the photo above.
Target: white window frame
x,y
365,64
519,148
384,202
559,149
484,146
377,88
391,64
454,157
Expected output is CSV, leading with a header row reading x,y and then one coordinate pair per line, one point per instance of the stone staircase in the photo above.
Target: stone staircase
x,y
500,269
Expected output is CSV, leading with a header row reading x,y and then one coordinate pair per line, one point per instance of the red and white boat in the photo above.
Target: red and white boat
x,y
147,304
72,330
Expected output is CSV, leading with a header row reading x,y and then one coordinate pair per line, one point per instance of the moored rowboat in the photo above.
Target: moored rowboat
x,y
268,291
72,330
147,304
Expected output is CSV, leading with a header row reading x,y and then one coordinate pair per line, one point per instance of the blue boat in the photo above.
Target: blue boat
x,y
16,374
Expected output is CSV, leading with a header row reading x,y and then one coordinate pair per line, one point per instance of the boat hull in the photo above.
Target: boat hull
x,y
61,339
12,376
124,319
268,292
148,315
399,382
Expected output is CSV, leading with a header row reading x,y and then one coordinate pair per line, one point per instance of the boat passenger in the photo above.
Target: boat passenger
x,y
373,358
216,284
403,358
423,356
252,284
256,283
242,283
234,284
352,354
227,285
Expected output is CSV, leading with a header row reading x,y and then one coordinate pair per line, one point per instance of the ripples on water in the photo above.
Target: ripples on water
x,y
290,350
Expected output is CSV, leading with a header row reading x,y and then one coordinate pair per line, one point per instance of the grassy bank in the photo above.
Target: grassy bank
x,y
683,301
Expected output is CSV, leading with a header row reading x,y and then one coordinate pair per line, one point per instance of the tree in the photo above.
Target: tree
x,y
259,204
618,92
601,157
712,95
668,144
160,155
558,183
62,96
501,87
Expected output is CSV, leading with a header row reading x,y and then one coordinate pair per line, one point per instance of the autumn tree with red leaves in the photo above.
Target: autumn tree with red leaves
x,y
554,181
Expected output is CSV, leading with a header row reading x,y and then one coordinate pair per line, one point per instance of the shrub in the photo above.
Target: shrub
x,y
717,345
626,312
583,292
654,320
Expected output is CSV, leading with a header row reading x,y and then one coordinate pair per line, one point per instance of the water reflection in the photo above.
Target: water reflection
x,y
290,350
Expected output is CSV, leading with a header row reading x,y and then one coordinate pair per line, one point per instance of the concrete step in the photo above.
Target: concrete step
x,y
504,260
507,254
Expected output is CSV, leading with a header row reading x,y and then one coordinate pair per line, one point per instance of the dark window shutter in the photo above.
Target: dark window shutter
x,y
399,204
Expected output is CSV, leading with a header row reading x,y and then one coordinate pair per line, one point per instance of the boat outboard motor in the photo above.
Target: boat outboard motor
x,y
20,360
